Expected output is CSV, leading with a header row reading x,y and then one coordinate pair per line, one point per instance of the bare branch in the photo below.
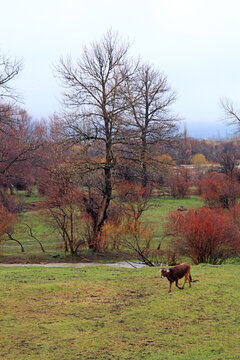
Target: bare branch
x,y
9,69
34,237
232,113
17,241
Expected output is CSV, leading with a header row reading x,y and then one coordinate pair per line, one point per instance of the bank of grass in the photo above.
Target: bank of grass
x,y
36,217
119,314
159,208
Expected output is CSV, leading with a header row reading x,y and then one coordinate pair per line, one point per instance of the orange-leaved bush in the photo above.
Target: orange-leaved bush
x,y
205,235
219,190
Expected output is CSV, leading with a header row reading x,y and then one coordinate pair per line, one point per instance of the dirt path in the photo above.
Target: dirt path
x,y
124,264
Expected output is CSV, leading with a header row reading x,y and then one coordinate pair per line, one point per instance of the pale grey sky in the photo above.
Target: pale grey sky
x,y
194,42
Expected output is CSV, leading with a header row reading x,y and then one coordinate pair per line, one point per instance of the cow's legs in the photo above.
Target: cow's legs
x,y
187,278
178,286
170,286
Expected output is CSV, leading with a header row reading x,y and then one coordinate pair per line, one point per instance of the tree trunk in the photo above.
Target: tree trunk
x,y
99,218
143,159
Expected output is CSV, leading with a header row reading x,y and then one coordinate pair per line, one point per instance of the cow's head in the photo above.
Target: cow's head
x,y
164,273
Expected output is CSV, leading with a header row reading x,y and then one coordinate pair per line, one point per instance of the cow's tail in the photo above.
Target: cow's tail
x,y
192,279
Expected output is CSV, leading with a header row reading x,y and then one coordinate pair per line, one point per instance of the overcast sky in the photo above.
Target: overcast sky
x,y
194,42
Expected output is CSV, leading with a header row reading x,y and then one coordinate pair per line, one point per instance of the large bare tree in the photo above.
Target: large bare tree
x,y
150,99
9,69
94,111
231,113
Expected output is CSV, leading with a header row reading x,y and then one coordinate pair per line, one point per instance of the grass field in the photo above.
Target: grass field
x,y
159,208
10,251
121,314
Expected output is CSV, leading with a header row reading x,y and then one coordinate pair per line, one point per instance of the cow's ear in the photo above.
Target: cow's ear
x,y
168,270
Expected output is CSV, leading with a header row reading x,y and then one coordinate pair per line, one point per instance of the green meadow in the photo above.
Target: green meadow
x,y
44,230
159,208
103,312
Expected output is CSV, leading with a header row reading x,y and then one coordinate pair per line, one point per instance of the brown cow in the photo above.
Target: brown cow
x,y
177,272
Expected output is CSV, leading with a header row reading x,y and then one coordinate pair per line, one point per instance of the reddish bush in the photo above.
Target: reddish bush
x,y
235,214
7,220
206,235
179,182
219,190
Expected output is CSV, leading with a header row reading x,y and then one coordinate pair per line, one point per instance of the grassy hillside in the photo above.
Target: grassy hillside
x,y
111,313
34,216
159,208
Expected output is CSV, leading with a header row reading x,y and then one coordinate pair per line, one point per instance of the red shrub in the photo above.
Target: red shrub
x,y
179,182
219,190
7,220
206,235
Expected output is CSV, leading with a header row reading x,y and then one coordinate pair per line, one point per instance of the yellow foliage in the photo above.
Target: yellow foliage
x,y
199,159
166,159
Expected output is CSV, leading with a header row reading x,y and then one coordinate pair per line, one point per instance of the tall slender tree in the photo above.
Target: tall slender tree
x,y
150,99
94,112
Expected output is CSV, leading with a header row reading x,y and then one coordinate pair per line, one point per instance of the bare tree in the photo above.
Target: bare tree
x,y
150,99
18,139
95,107
232,113
228,163
9,69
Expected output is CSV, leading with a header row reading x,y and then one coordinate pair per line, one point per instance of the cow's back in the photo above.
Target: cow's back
x,y
180,271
